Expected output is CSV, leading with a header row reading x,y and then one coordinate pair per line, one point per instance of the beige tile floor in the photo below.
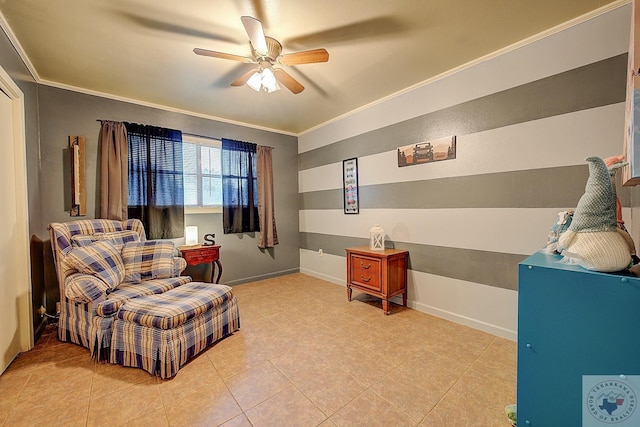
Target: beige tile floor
x,y
304,356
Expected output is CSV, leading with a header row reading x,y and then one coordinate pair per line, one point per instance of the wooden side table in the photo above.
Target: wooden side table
x,y
379,273
203,254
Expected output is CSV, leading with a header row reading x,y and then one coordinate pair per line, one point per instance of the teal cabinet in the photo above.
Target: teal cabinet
x,y
571,322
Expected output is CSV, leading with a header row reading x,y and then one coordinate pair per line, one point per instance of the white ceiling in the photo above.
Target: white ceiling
x,y
142,50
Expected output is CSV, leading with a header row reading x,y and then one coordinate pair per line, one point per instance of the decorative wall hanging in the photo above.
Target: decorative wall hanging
x,y
427,152
350,185
78,184
631,148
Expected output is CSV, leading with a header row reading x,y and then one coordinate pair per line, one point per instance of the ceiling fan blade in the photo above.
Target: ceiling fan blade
x,y
306,57
243,79
288,81
381,26
256,34
221,55
194,28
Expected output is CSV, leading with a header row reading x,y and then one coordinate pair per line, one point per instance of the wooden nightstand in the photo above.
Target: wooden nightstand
x,y
379,273
202,254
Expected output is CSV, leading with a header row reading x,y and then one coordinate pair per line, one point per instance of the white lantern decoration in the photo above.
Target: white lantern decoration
x,y
191,235
376,241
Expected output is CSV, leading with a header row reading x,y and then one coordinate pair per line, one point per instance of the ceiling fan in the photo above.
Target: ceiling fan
x,y
267,53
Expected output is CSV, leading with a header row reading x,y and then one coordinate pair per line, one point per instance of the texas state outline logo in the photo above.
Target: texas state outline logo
x,y
611,401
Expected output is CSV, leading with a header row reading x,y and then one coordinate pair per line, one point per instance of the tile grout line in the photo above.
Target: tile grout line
x,y
471,365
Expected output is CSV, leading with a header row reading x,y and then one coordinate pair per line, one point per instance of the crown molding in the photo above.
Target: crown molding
x,y
4,25
159,106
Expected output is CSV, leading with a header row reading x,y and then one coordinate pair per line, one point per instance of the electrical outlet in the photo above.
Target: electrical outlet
x,y
320,252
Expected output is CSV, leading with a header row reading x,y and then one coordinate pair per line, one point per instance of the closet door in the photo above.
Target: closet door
x,y
9,345
16,333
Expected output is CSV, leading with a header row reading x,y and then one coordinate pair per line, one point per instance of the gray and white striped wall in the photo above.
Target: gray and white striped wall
x,y
525,120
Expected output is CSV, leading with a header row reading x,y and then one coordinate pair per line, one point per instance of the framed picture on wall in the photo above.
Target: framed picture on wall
x,y
350,186
427,151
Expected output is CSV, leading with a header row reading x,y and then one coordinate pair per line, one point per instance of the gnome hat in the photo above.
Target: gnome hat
x,y
596,210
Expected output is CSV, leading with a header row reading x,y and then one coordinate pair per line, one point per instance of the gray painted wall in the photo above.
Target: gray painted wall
x,y
65,113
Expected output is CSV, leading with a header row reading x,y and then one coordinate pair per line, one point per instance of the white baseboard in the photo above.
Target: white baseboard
x,y
332,279
467,321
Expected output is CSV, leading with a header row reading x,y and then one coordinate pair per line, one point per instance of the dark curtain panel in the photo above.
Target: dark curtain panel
x,y
266,204
239,187
156,188
113,170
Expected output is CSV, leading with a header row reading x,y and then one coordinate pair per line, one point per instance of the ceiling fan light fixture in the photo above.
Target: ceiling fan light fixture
x,y
269,82
255,81
263,80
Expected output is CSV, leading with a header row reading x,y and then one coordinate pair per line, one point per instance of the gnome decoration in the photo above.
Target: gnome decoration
x,y
593,240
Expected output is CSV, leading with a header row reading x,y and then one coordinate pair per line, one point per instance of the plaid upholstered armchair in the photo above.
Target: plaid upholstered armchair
x,y
123,298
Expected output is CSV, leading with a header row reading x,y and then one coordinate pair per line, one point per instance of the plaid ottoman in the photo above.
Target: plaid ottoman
x,y
160,333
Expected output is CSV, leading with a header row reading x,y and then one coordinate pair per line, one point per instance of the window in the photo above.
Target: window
x,y
202,174
239,183
155,183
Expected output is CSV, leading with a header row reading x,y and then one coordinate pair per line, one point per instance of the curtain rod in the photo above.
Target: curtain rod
x,y
192,134
211,137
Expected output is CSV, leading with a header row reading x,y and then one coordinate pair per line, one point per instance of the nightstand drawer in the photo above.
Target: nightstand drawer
x,y
366,272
